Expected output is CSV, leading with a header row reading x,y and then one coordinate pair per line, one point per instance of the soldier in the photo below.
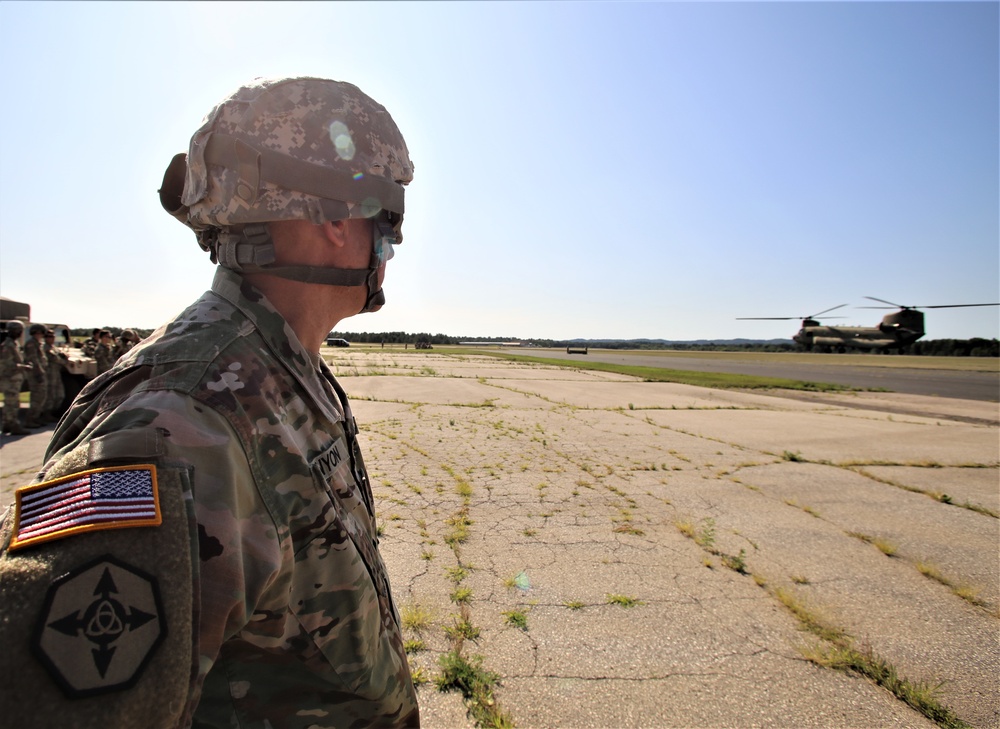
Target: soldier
x,y
125,342
38,376
57,392
104,352
13,370
214,557
90,345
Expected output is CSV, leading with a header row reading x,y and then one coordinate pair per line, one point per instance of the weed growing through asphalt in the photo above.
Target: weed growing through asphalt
x,y
418,675
476,684
414,645
883,545
462,629
841,654
517,618
704,537
458,573
461,595
415,616
623,600
736,563
459,671
966,592
627,527
936,495
919,695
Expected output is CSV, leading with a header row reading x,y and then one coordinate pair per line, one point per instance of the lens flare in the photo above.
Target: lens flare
x,y
340,135
370,207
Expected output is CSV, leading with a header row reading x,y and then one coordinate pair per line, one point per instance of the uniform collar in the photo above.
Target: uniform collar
x,y
279,337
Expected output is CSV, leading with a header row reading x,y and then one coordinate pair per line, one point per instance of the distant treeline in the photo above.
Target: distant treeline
x,y
933,347
956,348
976,347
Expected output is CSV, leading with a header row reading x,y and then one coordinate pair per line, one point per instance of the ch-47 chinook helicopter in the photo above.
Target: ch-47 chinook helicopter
x,y
895,331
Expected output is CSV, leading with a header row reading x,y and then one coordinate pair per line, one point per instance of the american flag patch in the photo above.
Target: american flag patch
x,y
104,498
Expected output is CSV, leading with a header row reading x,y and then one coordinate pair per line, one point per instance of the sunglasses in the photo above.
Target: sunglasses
x,y
387,232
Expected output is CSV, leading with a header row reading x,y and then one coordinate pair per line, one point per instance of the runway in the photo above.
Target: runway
x,y
984,386
710,513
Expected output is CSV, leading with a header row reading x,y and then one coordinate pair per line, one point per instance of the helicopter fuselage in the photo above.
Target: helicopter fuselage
x,y
897,330
894,331
854,337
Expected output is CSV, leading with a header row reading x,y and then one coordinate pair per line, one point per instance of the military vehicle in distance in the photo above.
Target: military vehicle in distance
x,y
78,367
897,330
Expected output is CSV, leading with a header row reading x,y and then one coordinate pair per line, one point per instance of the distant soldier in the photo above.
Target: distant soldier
x,y
104,352
57,363
12,372
38,376
126,341
90,345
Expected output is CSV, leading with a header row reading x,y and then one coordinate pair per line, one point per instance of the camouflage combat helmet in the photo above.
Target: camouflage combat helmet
x,y
37,329
129,336
290,149
15,326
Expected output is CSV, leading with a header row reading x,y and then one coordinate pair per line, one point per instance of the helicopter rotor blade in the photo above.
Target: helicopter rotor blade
x,y
899,306
953,306
895,306
785,318
813,316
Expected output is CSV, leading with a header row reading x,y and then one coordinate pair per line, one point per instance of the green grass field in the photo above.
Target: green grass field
x,y
963,364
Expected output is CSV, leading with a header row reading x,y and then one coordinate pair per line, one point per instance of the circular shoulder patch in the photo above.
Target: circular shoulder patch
x,y
99,627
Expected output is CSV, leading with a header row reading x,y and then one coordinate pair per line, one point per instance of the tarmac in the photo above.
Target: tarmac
x,y
624,554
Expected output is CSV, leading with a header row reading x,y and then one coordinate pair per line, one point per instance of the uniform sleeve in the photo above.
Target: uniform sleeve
x,y
198,573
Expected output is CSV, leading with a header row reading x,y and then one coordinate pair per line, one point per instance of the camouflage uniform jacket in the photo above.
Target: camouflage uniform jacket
x,y
121,349
34,355
275,601
10,359
55,358
105,357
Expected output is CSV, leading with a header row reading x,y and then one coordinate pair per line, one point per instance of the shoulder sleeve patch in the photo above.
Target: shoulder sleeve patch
x,y
100,626
116,497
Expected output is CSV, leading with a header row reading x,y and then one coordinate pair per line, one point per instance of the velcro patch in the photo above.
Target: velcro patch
x,y
99,627
116,497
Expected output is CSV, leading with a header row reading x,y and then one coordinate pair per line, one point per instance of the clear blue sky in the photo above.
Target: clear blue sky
x,y
583,169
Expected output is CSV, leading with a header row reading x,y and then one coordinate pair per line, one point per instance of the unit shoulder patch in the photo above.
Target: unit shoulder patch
x,y
99,626
102,498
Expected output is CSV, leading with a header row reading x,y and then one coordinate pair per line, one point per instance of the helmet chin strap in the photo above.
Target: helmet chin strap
x,y
376,296
251,250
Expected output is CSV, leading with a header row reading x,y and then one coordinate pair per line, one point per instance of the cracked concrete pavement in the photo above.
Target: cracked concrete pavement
x,y
556,495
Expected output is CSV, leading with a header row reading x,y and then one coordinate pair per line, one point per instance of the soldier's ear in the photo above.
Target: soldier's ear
x,y
335,231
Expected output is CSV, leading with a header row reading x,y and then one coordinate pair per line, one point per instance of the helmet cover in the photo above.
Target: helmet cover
x,y
294,148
